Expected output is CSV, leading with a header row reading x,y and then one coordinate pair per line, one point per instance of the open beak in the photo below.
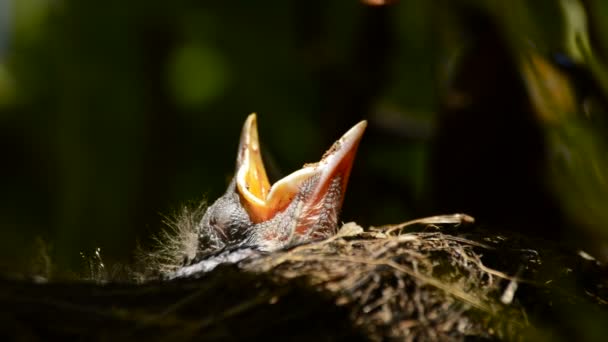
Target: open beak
x,y
325,181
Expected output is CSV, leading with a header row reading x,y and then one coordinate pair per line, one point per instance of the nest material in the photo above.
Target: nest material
x,y
383,284
394,284
424,285
406,286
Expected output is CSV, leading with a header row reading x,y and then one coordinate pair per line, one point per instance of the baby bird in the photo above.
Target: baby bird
x,y
253,215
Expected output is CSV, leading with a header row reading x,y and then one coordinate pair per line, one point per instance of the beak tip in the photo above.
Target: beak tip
x,y
251,124
356,132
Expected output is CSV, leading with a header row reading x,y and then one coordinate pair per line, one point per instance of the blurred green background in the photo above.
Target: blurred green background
x,y
114,114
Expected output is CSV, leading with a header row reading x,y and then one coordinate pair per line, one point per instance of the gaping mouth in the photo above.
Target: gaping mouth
x,y
263,201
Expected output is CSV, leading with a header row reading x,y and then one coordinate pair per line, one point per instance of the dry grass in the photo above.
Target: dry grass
x,y
397,283
410,286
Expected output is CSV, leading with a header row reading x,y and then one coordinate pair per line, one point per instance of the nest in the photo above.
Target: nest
x,y
406,286
395,282
421,280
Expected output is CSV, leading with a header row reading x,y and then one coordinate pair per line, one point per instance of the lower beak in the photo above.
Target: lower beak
x,y
319,188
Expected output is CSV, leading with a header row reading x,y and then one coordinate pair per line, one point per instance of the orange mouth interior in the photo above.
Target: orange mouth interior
x,y
263,201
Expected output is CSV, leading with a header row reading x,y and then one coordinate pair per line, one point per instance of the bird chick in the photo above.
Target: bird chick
x,y
301,207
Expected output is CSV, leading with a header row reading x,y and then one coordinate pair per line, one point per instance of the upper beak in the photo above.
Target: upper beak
x,y
263,201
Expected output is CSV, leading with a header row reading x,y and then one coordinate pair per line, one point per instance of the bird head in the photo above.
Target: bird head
x,y
298,208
